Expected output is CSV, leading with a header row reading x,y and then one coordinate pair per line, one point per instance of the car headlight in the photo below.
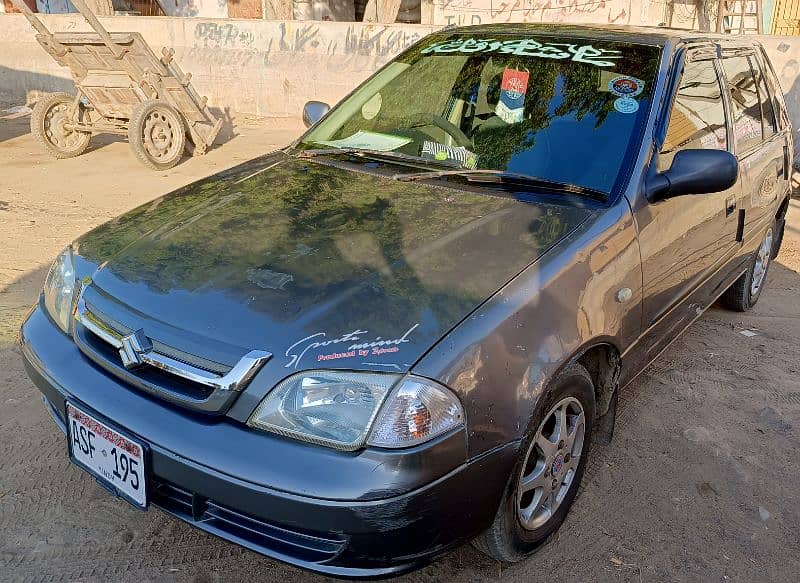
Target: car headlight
x,y
346,410
59,290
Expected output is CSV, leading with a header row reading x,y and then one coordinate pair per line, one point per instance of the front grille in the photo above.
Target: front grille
x,y
119,329
151,380
160,369
250,532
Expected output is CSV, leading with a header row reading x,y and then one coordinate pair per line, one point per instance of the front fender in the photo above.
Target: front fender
x,y
500,358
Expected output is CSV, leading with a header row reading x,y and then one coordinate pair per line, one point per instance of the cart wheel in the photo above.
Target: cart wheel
x,y
157,134
49,121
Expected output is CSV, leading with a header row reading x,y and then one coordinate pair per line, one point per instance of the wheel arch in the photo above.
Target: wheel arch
x,y
602,359
603,362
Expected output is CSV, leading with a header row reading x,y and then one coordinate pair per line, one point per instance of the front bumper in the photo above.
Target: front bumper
x,y
213,473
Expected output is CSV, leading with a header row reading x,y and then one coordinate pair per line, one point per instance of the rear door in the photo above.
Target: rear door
x,y
758,144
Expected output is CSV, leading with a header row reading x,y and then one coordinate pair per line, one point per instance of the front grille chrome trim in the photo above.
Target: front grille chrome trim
x,y
236,379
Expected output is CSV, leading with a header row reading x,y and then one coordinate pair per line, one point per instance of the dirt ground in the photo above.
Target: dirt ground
x,y
700,482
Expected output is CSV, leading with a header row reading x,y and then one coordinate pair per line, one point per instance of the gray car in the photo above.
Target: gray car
x,y
402,332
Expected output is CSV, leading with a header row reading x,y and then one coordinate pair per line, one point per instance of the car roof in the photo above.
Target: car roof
x,y
651,35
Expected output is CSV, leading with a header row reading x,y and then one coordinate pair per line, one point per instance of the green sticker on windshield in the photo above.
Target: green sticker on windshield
x,y
528,47
441,152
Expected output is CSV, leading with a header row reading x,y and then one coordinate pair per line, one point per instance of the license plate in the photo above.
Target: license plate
x,y
116,460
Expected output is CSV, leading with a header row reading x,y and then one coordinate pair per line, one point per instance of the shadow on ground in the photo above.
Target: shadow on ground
x,y
20,87
16,298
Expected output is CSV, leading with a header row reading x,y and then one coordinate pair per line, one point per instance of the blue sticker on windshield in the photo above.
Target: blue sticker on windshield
x,y
624,86
626,105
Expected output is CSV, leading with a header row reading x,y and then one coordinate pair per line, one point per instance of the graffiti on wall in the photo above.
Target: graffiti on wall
x,y
214,34
238,45
288,62
466,12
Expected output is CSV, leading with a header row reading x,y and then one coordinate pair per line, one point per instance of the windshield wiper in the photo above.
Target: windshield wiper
x,y
504,177
381,155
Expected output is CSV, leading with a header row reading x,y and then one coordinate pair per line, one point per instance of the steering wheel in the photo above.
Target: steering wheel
x,y
447,127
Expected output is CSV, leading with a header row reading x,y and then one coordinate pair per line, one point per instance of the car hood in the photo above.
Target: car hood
x,y
319,265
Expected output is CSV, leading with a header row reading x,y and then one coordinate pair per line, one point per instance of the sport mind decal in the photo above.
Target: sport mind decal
x,y
512,96
357,344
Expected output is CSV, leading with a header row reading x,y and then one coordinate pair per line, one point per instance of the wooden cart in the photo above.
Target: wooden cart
x,y
122,88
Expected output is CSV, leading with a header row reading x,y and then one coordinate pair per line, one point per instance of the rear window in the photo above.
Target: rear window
x,y
746,102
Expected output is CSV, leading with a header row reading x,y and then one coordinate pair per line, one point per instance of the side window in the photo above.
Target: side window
x,y
697,119
767,110
746,105
775,89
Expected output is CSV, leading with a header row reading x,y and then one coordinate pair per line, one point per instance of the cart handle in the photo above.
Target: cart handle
x,y
38,26
116,50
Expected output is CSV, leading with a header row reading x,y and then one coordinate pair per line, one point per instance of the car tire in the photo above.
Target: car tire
x,y
746,290
47,126
157,134
527,518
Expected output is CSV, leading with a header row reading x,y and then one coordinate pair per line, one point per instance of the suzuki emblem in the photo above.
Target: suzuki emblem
x,y
134,345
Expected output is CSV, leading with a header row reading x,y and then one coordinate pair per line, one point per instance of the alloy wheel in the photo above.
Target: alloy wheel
x,y
551,463
762,262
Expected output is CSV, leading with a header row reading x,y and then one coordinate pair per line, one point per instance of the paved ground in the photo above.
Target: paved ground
x,y
699,484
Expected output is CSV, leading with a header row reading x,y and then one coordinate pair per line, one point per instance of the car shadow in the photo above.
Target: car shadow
x,y
16,298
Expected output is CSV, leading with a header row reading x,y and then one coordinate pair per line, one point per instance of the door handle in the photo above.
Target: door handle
x,y
730,205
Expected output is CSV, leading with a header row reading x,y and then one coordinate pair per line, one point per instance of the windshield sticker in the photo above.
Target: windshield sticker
x,y
458,154
626,105
513,87
528,48
372,106
624,86
369,141
375,347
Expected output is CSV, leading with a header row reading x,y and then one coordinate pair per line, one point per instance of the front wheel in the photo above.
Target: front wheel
x,y
546,478
157,134
746,290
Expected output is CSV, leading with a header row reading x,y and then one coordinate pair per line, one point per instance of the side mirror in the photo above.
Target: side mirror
x,y
694,172
313,111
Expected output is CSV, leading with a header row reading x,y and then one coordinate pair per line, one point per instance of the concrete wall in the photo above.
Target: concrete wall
x,y
270,68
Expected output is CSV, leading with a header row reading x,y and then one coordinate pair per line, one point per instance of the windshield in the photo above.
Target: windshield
x,y
560,109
